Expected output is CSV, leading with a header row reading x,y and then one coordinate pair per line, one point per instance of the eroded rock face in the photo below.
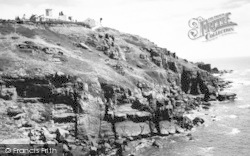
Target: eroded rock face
x,y
106,43
60,100
91,101
206,67
157,61
172,66
194,82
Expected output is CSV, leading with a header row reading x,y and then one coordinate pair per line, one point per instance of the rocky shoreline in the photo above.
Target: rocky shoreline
x,y
93,92
139,145
128,123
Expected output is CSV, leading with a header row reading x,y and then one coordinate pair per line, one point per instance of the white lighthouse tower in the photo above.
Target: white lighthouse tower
x,y
48,13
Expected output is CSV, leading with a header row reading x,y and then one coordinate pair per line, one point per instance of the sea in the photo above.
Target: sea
x,y
226,131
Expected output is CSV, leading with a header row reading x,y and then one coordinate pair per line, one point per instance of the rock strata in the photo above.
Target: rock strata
x,y
94,103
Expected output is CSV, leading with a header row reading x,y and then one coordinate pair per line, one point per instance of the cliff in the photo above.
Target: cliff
x,y
88,88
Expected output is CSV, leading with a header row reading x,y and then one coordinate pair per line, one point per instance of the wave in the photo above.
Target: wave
x,y
244,106
232,116
239,81
234,131
239,77
206,151
240,99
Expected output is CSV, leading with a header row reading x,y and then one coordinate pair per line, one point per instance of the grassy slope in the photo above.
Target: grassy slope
x,y
88,65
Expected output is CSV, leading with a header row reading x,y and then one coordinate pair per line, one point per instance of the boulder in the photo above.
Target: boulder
x,y
48,50
41,116
157,143
198,120
93,151
48,135
167,127
164,131
8,93
206,103
61,134
212,98
178,97
186,123
215,70
13,111
205,107
143,144
19,116
14,37
129,128
157,61
143,56
179,129
83,46
52,129
66,148
222,96
211,89
119,68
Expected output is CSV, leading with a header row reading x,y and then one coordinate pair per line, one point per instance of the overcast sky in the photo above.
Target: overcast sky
x,y
164,22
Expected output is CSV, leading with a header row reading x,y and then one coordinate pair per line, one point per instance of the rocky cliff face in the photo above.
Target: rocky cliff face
x,y
84,88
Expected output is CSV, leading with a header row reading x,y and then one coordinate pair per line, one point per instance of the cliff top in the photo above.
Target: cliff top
x,y
103,54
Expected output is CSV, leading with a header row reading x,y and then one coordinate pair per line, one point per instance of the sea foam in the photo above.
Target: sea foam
x,y
232,116
234,131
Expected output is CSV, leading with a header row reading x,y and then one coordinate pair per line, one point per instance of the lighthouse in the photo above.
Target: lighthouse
x,y
48,13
